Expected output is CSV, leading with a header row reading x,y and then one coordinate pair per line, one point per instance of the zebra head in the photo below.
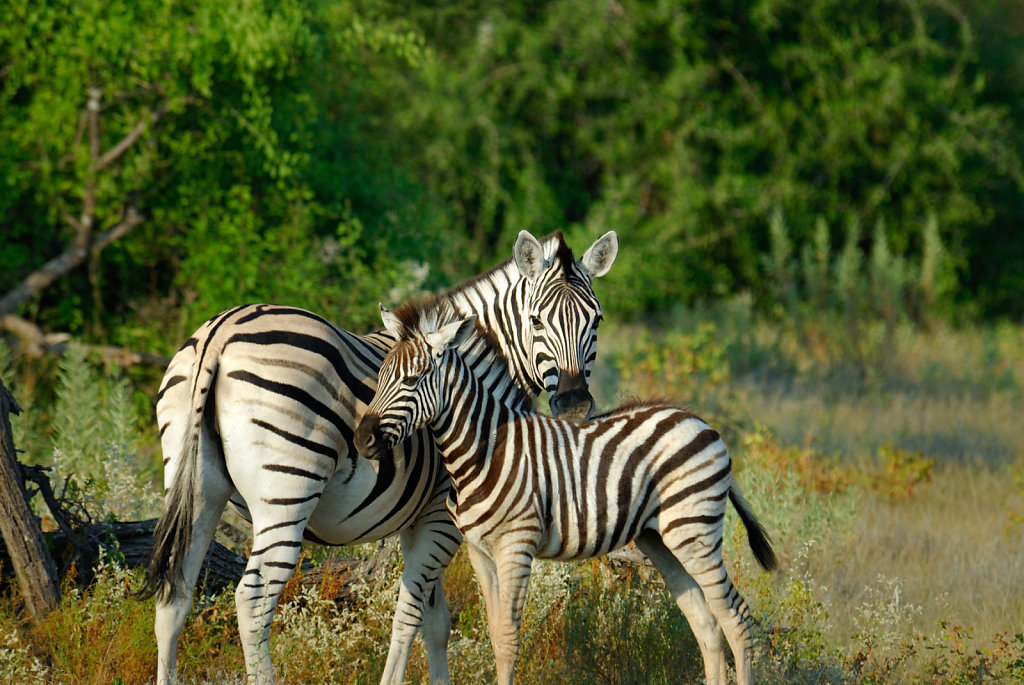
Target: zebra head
x,y
560,316
411,385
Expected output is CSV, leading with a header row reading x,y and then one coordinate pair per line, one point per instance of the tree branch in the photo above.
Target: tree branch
x,y
83,234
30,557
37,343
61,265
130,139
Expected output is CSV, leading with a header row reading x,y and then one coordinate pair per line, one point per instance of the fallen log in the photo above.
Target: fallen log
x,y
131,542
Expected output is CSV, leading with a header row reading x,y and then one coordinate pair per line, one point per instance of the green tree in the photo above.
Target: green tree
x,y
221,144
684,125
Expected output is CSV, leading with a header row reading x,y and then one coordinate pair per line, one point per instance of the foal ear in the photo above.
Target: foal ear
x,y
601,255
391,323
451,335
529,256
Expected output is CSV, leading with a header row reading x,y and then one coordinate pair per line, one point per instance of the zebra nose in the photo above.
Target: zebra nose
x,y
365,437
573,405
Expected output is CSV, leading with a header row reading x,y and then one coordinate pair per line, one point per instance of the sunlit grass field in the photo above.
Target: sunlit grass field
x,y
890,475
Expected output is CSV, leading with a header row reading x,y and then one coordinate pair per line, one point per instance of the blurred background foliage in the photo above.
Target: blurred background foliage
x,y
323,153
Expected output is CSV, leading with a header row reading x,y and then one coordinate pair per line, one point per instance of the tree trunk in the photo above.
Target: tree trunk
x,y
29,554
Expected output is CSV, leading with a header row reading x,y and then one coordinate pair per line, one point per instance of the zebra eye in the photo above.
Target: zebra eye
x,y
536,323
410,381
597,321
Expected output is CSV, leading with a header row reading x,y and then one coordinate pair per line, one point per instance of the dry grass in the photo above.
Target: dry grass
x,y
950,546
895,499
936,536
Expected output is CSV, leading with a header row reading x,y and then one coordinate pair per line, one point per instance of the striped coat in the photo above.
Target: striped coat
x,y
530,486
258,409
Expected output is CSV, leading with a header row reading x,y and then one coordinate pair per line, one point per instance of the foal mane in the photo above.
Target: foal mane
x,y
428,313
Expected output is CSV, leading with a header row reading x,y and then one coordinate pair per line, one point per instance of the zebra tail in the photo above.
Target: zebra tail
x,y
757,536
172,536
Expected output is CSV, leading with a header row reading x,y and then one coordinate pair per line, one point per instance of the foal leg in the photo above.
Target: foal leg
x,y
504,580
690,600
701,557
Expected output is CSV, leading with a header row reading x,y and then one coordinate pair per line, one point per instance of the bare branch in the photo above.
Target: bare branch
x,y
30,557
83,234
71,221
42,278
36,343
60,514
130,139
131,219
61,265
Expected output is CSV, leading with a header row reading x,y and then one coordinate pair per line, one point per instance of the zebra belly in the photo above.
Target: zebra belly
x,y
358,510
573,545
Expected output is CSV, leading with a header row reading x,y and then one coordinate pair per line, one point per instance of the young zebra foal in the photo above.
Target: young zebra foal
x,y
528,486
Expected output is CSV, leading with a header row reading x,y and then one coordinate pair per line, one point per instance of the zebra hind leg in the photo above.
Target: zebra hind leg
x,y
690,600
210,498
701,557
276,545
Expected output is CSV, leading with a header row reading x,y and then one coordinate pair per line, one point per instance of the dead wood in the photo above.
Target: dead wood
x,y
29,557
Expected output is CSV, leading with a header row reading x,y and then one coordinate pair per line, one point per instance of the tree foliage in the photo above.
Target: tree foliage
x,y
322,153
685,125
232,128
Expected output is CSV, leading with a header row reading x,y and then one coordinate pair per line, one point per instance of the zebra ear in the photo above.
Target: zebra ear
x,y
528,255
451,335
601,255
391,323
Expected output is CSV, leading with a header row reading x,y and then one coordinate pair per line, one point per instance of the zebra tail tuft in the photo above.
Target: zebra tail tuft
x,y
172,536
757,536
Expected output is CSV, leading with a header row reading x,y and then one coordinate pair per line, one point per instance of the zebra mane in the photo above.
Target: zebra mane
x,y
424,314
428,313
555,248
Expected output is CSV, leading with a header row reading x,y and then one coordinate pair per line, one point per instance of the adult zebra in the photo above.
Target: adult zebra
x,y
258,409
530,486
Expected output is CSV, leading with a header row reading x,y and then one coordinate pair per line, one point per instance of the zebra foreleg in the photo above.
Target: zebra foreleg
x,y
504,580
436,629
690,600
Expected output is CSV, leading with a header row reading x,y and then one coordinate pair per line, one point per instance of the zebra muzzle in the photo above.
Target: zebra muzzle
x,y
369,440
572,405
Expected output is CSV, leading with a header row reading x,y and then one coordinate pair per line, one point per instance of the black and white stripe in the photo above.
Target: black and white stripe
x,y
531,486
258,409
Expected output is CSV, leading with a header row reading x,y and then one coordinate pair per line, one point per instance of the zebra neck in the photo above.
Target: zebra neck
x,y
498,302
466,428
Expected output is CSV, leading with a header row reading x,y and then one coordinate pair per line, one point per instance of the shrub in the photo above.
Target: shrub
x,y
99,634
